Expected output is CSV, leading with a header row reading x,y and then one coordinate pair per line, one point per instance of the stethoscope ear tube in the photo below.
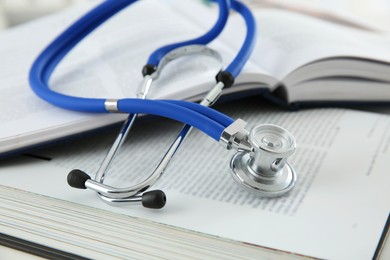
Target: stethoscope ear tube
x,y
154,199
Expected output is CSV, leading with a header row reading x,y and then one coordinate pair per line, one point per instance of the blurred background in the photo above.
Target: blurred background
x,y
14,12
373,13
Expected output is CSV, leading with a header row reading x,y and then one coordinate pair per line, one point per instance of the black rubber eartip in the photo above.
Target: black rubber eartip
x,y
154,199
148,69
225,77
77,178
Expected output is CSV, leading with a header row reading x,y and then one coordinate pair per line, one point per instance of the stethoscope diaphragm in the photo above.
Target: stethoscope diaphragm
x,y
265,169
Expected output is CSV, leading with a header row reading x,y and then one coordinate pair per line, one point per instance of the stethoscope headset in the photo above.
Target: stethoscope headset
x,y
260,162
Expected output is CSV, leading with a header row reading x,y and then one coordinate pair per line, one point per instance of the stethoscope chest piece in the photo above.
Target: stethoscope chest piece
x,y
265,169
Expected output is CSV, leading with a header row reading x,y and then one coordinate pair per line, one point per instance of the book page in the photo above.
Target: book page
x,y
296,49
341,89
287,41
337,209
24,116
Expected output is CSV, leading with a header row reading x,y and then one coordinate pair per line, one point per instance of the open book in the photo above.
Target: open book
x,y
337,210
297,59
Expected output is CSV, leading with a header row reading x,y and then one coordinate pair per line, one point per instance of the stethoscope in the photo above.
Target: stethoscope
x,y
260,163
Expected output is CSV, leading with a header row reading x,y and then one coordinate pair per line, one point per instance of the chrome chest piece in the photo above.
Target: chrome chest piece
x,y
261,161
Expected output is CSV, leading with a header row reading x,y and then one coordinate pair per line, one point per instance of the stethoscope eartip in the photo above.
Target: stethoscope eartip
x,y
77,178
154,199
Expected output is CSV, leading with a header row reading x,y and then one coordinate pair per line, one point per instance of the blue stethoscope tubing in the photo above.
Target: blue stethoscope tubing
x,y
205,119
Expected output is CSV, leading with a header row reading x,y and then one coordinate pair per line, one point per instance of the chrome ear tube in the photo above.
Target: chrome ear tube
x,y
136,194
260,163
